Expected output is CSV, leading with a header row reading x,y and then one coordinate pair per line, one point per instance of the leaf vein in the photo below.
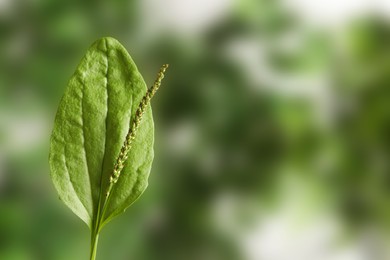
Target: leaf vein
x,y
71,180
85,149
105,137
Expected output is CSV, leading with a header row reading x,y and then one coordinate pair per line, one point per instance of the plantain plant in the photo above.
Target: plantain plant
x,y
101,147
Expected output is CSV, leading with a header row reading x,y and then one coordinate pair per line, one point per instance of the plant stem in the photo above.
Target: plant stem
x,y
94,243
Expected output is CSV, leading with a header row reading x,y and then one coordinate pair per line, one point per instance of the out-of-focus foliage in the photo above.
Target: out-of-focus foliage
x,y
363,123
259,111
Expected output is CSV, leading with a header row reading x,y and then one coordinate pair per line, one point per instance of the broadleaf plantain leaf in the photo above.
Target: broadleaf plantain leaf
x,y
91,124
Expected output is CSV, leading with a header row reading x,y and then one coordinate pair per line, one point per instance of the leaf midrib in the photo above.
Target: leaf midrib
x,y
97,217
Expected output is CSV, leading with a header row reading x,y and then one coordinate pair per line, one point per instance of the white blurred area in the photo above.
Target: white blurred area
x,y
191,17
187,18
298,228
335,13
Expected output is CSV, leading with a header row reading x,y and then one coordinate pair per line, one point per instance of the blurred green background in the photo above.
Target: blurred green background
x,y
272,129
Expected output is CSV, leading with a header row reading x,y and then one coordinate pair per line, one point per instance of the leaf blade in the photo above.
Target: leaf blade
x,y
91,124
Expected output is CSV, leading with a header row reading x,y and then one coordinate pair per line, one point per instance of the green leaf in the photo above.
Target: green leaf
x,y
92,121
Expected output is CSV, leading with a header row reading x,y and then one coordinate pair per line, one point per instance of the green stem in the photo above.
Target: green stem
x,y
94,243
